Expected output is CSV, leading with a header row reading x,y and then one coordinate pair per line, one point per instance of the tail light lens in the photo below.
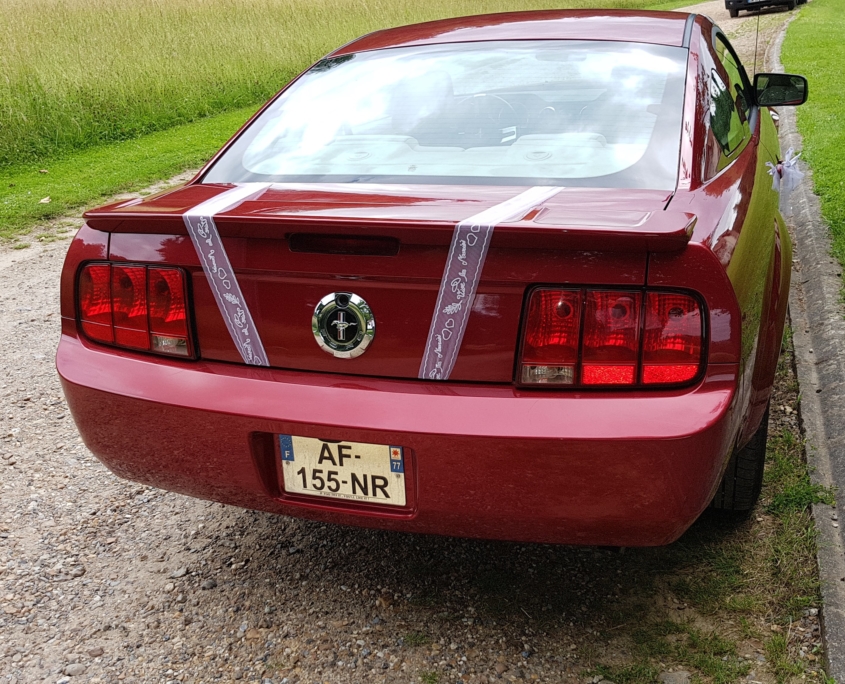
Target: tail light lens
x,y
168,312
129,306
672,345
611,338
133,306
593,337
550,351
94,305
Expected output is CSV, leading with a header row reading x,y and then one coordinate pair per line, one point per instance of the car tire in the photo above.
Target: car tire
x,y
734,13
790,5
743,479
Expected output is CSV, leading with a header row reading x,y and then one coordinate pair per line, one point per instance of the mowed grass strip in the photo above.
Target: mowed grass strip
x,y
752,579
37,193
814,48
79,73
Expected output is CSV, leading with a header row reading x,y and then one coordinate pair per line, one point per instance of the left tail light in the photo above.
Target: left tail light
x,y
593,337
135,307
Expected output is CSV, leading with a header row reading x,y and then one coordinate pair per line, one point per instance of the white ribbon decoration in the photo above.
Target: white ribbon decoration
x,y
215,264
461,275
467,254
786,176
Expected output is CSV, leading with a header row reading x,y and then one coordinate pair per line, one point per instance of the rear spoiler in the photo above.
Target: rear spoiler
x,y
548,228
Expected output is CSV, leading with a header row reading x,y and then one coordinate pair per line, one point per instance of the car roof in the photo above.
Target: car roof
x,y
662,28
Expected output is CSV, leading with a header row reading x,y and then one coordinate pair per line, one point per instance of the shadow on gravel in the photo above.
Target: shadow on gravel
x,y
462,580
730,599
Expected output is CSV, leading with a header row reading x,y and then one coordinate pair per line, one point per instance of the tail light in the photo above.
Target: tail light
x,y
129,306
135,306
593,337
611,338
550,350
672,344
94,305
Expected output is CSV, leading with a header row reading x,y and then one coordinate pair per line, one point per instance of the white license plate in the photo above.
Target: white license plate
x,y
353,471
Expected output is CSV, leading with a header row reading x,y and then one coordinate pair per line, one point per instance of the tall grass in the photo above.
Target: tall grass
x,y
76,73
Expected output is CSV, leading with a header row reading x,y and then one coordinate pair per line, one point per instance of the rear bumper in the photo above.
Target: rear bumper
x,y
481,461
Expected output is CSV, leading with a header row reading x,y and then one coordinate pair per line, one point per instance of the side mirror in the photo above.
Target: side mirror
x,y
775,90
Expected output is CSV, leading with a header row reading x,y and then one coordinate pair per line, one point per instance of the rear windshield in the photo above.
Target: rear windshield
x,y
598,114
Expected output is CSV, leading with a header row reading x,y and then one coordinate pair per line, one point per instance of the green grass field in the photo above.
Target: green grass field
x,y
78,73
108,96
814,47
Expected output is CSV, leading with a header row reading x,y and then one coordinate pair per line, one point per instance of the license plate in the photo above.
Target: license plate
x,y
353,471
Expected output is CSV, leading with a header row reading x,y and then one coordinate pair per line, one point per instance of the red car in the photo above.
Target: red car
x,y
518,276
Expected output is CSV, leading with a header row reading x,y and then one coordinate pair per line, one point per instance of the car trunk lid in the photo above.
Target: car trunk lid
x,y
291,246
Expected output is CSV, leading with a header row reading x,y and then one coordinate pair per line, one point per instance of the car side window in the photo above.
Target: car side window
x,y
733,69
728,108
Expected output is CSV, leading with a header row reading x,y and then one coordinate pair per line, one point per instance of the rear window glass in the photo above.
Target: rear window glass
x,y
599,114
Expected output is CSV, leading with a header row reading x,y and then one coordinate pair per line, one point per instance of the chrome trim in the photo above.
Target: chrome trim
x,y
347,302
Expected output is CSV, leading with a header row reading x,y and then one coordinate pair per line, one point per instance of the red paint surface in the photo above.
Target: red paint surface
x,y
664,28
484,461
485,458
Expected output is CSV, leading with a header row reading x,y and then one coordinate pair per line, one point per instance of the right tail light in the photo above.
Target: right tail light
x,y
611,338
672,339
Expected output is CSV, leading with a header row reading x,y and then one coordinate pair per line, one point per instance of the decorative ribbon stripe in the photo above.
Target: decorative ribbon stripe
x,y
467,253
215,263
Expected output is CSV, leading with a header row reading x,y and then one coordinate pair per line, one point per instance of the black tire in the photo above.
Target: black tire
x,y
790,5
743,479
734,13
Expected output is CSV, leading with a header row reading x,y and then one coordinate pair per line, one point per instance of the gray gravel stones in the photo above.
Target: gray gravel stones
x,y
104,580
74,670
679,677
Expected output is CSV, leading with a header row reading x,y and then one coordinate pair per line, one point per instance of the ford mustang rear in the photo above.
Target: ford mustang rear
x,y
520,276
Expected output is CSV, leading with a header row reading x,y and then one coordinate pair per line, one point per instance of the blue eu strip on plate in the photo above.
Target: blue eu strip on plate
x,y
286,447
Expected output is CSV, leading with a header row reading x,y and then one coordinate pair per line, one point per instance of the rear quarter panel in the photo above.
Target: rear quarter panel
x,y
739,222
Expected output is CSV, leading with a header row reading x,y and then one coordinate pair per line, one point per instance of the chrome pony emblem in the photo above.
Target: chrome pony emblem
x,y
343,325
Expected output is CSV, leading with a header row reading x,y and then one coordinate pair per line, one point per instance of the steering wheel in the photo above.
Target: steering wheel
x,y
485,120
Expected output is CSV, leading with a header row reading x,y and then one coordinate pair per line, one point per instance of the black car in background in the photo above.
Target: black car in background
x,y
734,6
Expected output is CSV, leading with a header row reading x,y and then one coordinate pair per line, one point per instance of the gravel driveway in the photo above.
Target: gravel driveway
x,y
103,580
106,580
